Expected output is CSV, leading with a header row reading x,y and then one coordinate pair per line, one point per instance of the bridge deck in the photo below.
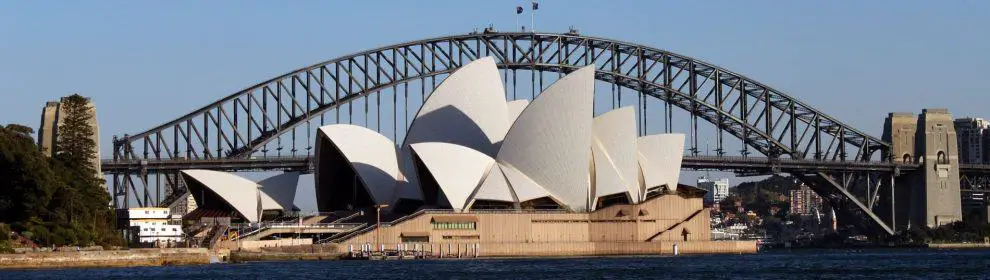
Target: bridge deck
x,y
726,163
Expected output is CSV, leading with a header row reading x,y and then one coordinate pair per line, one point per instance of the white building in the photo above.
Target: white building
x,y
717,189
153,225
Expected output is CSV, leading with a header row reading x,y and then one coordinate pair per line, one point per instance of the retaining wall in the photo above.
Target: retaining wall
x,y
114,258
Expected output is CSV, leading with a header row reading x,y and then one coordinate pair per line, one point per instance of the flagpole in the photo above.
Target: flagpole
x,y
532,24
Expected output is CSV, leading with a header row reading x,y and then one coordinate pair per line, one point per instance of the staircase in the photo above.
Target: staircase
x,y
672,227
214,235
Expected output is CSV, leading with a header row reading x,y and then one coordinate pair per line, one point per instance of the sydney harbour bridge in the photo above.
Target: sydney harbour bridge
x,y
732,122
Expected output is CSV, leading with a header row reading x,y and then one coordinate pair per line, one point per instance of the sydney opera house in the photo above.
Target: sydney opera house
x,y
515,177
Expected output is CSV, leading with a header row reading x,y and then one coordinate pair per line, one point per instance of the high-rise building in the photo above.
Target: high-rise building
x,y
974,140
804,201
717,189
51,119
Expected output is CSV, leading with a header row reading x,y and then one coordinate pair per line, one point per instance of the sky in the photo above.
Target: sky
x,y
147,62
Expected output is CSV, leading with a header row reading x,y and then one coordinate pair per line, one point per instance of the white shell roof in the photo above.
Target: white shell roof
x,y
660,158
242,194
607,180
515,108
550,139
282,188
371,154
457,169
614,149
494,187
468,109
523,186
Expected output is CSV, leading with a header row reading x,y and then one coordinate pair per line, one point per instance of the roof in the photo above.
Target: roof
x,y
468,109
550,140
614,152
660,158
494,187
282,189
457,169
240,193
370,154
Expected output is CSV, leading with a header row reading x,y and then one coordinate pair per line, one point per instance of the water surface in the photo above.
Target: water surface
x,y
817,264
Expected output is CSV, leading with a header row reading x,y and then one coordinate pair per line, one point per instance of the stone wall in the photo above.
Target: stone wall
x,y
258,245
303,252
114,258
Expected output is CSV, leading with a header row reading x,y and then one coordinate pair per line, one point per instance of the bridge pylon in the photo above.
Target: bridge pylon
x,y
927,196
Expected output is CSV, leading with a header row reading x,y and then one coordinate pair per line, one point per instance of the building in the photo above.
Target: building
x,y
153,227
804,201
51,119
468,148
974,140
717,189
517,178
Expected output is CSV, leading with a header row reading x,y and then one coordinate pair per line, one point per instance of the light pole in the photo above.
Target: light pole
x,y
378,225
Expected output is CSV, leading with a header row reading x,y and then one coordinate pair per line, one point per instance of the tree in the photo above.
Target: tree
x,y
28,180
59,200
84,200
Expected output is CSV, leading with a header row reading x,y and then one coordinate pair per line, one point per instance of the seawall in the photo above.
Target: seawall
x,y
959,245
570,249
114,258
286,253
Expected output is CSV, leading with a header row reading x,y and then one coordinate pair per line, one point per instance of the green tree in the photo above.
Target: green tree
x,y
59,200
83,200
29,182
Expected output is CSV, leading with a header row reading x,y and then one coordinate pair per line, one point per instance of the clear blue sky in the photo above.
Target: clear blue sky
x,y
146,62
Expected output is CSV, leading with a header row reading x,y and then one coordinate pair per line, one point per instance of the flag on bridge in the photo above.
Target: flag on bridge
x,y
519,10
536,6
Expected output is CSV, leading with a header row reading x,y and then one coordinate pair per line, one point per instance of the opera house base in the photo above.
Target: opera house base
x,y
654,227
576,249
573,249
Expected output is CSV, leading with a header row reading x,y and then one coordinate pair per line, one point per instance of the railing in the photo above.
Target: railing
x,y
317,225
256,228
348,217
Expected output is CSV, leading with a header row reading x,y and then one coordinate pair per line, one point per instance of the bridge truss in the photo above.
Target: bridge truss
x,y
273,122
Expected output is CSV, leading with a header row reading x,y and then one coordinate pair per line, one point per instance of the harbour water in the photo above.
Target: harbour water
x,y
817,264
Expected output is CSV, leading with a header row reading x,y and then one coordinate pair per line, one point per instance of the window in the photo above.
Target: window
x,y
147,212
942,158
454,225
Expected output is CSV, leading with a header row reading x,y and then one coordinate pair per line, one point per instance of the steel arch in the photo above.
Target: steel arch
x,y
766,119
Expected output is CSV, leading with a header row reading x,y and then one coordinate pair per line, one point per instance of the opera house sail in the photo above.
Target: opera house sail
x,y
221,194
469,148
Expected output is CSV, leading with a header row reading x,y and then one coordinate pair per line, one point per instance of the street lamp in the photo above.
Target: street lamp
x,y
378,225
